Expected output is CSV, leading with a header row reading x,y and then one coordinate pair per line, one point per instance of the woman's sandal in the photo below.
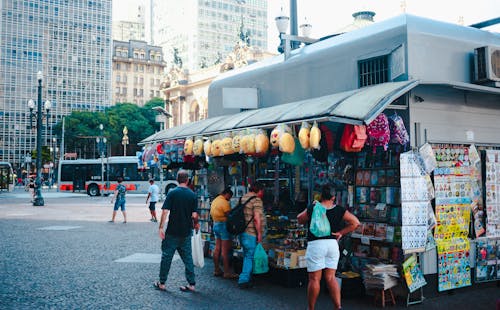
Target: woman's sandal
x,y
187,288
218,273
161,287
231,276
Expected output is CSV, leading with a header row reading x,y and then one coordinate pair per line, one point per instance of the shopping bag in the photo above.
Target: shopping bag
x,y
197,249
320,226
260,263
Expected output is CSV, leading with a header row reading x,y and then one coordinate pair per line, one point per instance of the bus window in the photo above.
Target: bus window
x,y
67,172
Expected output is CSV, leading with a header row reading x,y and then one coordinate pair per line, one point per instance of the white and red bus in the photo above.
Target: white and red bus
x,y
98,177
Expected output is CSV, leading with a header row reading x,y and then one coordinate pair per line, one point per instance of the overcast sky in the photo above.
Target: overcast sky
x,y
326,16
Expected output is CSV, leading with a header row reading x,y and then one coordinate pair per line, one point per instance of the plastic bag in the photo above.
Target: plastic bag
x,y
260,262
197,249
320,226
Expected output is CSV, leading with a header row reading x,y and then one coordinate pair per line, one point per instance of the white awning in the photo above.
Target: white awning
x,y
359,106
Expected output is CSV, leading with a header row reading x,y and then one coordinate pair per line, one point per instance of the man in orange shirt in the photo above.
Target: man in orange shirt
x,y
223,240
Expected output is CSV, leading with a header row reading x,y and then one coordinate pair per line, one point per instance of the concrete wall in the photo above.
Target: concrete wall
x,y
446,114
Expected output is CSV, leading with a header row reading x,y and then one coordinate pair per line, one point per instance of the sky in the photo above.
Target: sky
x,y
326,16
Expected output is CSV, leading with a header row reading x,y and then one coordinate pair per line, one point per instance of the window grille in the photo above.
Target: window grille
x,y
373,71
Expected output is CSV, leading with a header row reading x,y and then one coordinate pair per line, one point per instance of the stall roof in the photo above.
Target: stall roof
x,y
356,107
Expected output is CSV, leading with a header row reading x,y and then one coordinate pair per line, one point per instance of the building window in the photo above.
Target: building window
x,y
373,71
135,91
135,80
124,79
141,81
136,55
117,90
141,92
124,91
117,66
152,82
117,79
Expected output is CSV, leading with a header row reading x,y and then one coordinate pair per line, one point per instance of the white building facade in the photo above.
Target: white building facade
x,y
204,32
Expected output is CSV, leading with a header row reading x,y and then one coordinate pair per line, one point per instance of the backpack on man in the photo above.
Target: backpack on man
x,y
236,223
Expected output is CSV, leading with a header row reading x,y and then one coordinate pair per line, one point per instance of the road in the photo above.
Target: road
x,y
66,256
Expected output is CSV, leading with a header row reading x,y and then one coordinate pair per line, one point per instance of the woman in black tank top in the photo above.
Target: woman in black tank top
x,y
322,252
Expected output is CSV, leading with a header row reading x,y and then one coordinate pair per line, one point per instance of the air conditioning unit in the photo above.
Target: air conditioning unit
x,y
487,65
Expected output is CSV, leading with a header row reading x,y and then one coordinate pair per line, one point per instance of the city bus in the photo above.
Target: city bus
x,y
6,177
99,176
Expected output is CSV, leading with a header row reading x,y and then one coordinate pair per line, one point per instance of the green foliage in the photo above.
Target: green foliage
x,y
82,128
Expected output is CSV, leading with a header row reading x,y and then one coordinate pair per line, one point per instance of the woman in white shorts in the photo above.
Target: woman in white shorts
x,y
322,254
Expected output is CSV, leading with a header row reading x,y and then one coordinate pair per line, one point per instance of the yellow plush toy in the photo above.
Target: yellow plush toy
x,y
286,143
261,142
227,146
315,136
216,148
188,146
198,146
304,135
236,143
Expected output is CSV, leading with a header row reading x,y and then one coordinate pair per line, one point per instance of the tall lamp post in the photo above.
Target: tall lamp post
x,y
38,201
101,142
125,140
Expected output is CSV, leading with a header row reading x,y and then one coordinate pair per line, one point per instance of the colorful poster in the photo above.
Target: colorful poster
x,y
492,194
457,189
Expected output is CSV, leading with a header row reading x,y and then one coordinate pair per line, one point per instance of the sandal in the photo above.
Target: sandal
x,y
218,273
187,288
157,285
231,276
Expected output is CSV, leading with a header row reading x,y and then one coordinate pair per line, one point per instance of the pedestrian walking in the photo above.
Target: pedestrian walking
x,y
31,188
119,200
322,254
219,210
178,218
254,216
153,195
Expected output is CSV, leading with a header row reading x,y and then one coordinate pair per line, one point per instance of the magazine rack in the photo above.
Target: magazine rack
x,y
414,301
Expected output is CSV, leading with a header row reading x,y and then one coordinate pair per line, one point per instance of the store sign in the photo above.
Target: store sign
x,y
240,98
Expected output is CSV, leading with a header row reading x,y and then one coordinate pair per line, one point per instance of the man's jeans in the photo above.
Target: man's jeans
x,y
248,242
183,247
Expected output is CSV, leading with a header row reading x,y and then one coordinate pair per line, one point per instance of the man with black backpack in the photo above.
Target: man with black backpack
x,y
254,218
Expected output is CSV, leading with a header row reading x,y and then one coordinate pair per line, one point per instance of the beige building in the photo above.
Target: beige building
x,y
186,94
137,70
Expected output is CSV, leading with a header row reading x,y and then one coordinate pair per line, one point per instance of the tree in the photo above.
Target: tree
x,y
82,128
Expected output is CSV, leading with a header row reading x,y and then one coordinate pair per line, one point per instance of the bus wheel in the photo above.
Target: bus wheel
x,y
93,190
169,187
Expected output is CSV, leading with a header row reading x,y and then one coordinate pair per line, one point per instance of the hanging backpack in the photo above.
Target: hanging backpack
x,y
378,132
353,138
320,226
236,223
398,130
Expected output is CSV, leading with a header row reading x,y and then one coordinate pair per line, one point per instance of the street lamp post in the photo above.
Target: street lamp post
x,y
125,140
101,142
38,201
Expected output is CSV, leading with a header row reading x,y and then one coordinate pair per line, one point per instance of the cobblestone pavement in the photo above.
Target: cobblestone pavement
x,y
66,256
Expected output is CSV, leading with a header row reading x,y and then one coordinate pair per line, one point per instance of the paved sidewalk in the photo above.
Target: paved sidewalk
x,y
66,256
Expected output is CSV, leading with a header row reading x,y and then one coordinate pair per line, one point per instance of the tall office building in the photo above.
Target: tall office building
x,y
125,30
204,31
70,43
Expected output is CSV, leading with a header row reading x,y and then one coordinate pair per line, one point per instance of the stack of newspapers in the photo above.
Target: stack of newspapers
x,y
380,276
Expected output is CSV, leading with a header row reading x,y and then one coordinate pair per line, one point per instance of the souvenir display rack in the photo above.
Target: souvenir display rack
x,y
377,205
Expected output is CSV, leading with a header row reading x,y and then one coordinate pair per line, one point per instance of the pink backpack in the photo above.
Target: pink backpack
x,y
398,130
378,132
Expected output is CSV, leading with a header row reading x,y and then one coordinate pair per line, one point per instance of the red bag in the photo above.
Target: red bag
x,y
353,138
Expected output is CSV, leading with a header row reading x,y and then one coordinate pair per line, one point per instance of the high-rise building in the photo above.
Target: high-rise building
x,y
70,43
137,70
203,32
132,29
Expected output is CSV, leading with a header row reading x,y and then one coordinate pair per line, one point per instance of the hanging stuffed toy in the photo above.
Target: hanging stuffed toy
x,y
235,143
275,136
188,146
287,143
261,142
248,143
198,146
304,135
315,136
216,148
227,145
